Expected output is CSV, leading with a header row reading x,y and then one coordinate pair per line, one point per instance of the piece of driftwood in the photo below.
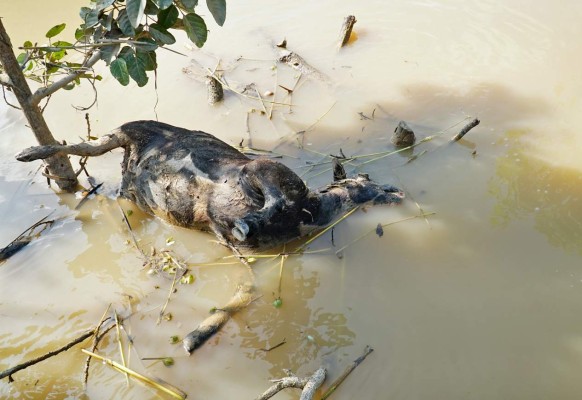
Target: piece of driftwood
x,y
241,298
308,384
346,30
298,63
215,91
403,136
465,130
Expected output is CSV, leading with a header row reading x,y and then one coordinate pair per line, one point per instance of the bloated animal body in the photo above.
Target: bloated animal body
x,y
192,179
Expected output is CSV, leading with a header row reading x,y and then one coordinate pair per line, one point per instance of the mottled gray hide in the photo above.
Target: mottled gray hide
x,y
194,180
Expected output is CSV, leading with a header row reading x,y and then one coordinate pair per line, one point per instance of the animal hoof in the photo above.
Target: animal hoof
x,y
240,230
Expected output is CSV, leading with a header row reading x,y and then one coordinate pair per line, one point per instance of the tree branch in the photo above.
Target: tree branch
x,y
61,83
8,373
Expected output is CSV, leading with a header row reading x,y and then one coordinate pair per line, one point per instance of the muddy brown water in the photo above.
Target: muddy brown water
x,y
481,301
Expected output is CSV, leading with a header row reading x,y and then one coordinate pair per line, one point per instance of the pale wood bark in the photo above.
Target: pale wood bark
x,y
58,165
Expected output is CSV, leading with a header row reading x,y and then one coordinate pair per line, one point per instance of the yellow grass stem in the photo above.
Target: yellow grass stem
x,y
307,243
120,346
155,383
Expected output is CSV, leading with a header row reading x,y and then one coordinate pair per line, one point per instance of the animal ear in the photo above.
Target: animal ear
x,y
339,172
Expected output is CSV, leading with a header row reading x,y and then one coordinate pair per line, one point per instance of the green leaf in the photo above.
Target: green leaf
x,y
195,29
82,34
55,30
189,4
135,9
161,35
27,44
148,59
168,17
107,21
62,43
124,24
135,66
89,16
163,4
218,10
146,44
126,53
101,4
107,52
21,58
118,69
52,69
151,8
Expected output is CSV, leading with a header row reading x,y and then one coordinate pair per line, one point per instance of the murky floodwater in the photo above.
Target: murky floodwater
x,y
481,300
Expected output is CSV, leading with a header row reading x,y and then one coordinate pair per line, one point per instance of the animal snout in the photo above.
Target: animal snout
x,y
391,194
391,189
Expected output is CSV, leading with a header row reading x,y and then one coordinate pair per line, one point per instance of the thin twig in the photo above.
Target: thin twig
x,y
10,371
347,371
95,344
131,231
304,245
163,310
423,215
281,343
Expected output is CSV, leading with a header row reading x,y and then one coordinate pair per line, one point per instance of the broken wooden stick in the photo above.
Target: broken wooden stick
x,y
346,30
465,130
308,384
298,63
241,298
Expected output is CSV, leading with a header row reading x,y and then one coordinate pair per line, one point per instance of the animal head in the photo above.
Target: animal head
x,y
362,190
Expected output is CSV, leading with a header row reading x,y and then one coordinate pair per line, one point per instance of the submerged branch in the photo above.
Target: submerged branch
x,y
347,371
10,371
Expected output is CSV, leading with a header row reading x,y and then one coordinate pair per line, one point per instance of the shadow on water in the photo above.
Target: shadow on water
x,y
525,186
496,104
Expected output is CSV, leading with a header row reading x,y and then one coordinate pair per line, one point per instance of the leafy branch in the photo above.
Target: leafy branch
x,y
125,34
